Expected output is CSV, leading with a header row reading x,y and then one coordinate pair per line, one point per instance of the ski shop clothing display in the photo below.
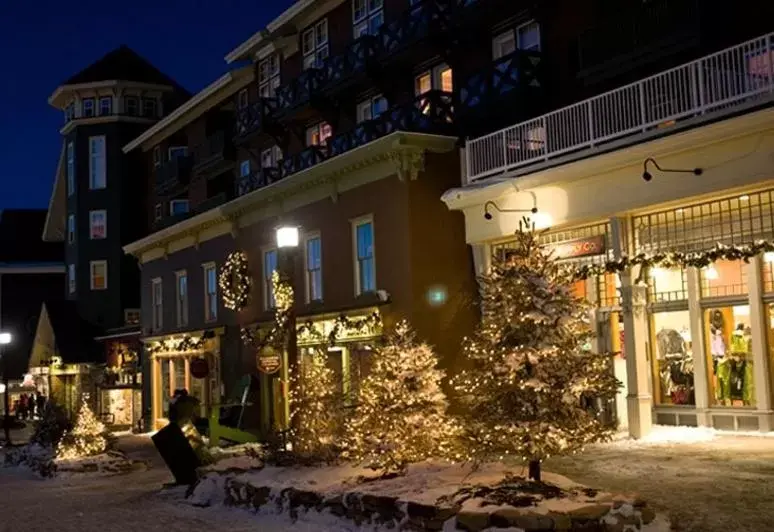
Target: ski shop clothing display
x,y
735,380
676,367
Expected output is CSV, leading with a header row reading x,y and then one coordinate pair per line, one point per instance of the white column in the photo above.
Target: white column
x,y
761,365
482,258
639,402
700,383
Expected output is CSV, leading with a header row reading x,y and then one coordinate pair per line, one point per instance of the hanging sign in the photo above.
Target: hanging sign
x,y
582,247
200,369
268,360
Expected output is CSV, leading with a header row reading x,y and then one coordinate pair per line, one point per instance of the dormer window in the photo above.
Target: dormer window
x,y
149,108
88,107
367,16
105,106
131,106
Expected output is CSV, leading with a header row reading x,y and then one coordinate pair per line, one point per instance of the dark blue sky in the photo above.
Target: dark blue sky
x,y
43,42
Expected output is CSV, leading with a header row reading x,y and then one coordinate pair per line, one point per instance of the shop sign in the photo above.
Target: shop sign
x,y
268,360
200,369
582,247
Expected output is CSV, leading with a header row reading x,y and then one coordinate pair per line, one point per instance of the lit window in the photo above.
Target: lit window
x,y
176,152
269,76
367,16
318,134
728,335
365,280
105,106
70,168
439,78
314,291
70,228
182,298
269,265
132,316
672,360
88,107
97,168
371,108
97,224
178,206
528,37
98,269
71,278
210,292
157,303
314,45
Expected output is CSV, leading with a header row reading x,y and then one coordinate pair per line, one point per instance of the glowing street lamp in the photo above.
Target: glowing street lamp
x,y
5,338
287,243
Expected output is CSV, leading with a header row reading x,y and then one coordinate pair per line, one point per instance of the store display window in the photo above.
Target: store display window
x,y
672,358
667,284
724,278
729,356
768,272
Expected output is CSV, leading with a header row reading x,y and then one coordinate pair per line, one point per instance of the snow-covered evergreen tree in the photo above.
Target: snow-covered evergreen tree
x,y
531,377
89,437
400,417
316,408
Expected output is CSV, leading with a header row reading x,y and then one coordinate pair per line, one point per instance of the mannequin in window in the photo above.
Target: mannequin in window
x,y
676,366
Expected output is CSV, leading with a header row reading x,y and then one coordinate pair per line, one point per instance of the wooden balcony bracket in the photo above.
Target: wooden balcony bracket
x,y
408,161
334,184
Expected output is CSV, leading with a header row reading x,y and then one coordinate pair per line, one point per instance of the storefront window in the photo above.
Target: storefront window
x,y
667,284
673,374
724,278
729,356
768,272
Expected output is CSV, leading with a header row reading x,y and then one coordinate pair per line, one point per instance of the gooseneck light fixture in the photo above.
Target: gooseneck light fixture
x,y
492,205
647,176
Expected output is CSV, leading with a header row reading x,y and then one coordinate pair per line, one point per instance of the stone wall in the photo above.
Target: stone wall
x,y
610,516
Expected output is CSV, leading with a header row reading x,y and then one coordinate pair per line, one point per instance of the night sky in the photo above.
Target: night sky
x,y
43,42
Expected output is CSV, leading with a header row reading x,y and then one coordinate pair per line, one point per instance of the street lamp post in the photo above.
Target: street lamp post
x,y
287,243
5,339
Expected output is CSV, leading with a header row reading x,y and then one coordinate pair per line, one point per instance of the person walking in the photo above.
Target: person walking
x,y
40,401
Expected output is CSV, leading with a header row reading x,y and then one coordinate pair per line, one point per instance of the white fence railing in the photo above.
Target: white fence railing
x,y
717,82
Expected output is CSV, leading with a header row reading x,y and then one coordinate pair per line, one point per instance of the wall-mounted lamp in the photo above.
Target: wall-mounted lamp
x,y
493,205
647,176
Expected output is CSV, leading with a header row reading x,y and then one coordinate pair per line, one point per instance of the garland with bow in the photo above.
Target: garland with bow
x,y
185,344
674,259
235,281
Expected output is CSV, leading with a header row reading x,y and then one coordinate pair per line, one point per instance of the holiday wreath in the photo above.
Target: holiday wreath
x,y
235,281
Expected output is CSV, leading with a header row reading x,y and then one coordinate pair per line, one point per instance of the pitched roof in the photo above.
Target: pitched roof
x,y
74,336
20,238
122,64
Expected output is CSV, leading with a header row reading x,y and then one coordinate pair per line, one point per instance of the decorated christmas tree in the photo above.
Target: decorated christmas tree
x,y
88,437
400,417
316,408
532,377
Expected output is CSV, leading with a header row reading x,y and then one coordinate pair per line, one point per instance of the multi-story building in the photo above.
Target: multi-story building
x,y
677,160
94,203
349,130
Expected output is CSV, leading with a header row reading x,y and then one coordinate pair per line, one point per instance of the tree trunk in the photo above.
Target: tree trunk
x,y
534,470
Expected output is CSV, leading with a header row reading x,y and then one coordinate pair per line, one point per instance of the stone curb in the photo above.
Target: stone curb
x,y
364,508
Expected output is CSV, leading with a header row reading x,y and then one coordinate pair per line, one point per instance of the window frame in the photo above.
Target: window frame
x,y
274,155
517,39
92,215
269,81
355,223
181,150
71,285
72,228
157,305
149,104
88,107
158,212
269,303
308,288
318,46
364,21
317,128
174,202
436,78
98,163
369,104
181,299
92,265
127,110
210,310
498,40
102,101
244,168
243,99
70,169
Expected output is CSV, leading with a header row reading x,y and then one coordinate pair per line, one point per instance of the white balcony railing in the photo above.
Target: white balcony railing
x,y
720,82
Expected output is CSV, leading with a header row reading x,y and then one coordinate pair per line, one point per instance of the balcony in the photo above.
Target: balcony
x,y
716,86
204,206
355,60
255,118
414,25
431,112
173,173
644,34
256,180
300,90
483,94
213,156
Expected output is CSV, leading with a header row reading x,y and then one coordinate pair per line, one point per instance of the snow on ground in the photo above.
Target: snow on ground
x,y
703,480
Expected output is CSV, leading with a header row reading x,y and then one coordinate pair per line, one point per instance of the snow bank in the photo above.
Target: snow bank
x,y
666,435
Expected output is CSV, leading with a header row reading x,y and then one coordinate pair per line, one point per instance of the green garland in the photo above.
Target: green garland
x,y
252,337
187,343
674,259
235,281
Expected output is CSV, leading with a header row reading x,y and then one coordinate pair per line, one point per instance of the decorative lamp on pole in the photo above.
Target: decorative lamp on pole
x,y
287,243
5,339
